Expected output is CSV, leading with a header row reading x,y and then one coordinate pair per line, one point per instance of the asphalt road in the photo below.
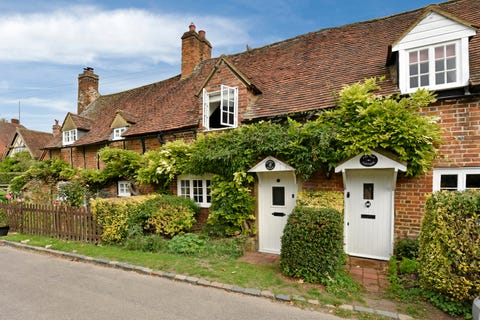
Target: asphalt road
x,y
37,286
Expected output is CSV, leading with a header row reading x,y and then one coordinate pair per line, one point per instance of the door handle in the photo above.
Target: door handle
x,y
278,214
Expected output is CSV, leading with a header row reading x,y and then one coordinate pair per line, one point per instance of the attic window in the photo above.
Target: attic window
x,y
69,136
433,59
434,67
220,108
117,133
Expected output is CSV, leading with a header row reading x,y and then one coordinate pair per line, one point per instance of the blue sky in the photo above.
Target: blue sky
x,y
44,45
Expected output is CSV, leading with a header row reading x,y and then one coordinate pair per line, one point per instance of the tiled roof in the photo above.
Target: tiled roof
x,y
299,74
7,131
34,140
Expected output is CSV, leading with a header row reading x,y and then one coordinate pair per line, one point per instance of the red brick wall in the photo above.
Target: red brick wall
x,y
460,122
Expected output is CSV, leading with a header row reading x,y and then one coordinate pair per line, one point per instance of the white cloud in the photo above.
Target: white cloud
x,y
37,105
87,34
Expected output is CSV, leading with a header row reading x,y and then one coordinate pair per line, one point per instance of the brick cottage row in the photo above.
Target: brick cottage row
x,y
436,47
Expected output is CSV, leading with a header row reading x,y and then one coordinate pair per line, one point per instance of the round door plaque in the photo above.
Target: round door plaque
x,y
270,164
368,160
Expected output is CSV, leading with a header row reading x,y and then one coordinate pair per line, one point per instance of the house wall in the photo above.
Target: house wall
x,y
460,122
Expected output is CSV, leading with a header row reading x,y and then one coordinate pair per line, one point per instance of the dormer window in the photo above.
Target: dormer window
x,y
69,136
117,133
434,67
220,108
433,59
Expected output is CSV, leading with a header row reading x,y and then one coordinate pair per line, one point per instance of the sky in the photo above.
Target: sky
x,y
44,45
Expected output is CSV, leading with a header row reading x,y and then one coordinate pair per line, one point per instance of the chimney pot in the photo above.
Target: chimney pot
x,y
201,33
191,27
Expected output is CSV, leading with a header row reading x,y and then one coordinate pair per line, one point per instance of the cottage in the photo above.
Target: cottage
x,y
436,47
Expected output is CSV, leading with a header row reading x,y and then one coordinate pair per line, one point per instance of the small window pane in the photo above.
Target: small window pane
x,y
449,182
413,82
439,52
424,81
424,55
413,69
413,57
278,196
439,65
450,50
473,181
451,76
424,67
368,191
439,78
451,63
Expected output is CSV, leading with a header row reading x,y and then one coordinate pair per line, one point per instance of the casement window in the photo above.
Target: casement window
x,y
456,179
69,136
434,67
220,108
117,133
434,54
196,188
124,189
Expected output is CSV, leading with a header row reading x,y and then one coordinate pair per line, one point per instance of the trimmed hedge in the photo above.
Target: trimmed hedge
x,y
449,246
312,244
321,199
163,215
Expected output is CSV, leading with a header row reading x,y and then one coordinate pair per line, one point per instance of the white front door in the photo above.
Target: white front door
x,y
277,193
369,213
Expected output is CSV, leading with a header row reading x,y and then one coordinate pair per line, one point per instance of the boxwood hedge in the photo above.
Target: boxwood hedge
x,y
312,244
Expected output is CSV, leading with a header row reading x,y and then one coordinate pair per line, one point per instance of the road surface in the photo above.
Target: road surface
x,y
38,286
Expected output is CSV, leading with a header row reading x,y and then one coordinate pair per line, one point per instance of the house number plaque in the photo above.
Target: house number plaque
x,y
368,160
270,164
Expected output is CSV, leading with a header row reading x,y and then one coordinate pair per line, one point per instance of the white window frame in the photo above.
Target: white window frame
x,y
461,66
69,136
432,71
124,188
228,97
461,177
117,133
188,187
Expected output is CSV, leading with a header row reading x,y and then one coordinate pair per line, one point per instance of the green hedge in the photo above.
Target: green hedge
x,y
449,246
7,177
159,214
312,244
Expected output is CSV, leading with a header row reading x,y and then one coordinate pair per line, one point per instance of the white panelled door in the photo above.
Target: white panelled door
x,y
369,213
277,193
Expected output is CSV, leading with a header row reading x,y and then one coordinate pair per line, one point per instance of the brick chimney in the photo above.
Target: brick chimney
x,y
15,121
87,89
195,49
56,128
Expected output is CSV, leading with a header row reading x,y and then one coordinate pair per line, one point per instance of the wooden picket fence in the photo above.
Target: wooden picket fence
x,y
76,224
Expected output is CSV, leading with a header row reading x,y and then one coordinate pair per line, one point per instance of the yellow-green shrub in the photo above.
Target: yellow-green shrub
x,y
449,245
160,214
321,199
114,216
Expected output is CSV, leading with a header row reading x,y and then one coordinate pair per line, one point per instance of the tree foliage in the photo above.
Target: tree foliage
x,y
365,121
163,165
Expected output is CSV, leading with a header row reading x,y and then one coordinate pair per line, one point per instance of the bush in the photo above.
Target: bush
x,y
449,248
159,214
232,209
321,199
114,215
187,244
312,244
167,215
406,248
